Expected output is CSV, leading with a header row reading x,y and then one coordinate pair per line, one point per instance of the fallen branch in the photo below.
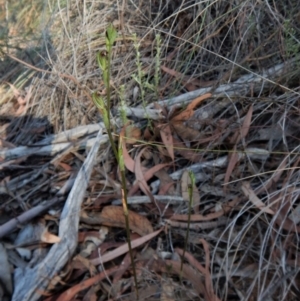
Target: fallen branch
x,y
30,283
35,211
242,86
47,150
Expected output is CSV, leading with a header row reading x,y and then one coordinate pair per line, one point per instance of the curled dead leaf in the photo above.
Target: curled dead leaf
x,y
248,191
167,138
189,111
49,238
137,223
133,134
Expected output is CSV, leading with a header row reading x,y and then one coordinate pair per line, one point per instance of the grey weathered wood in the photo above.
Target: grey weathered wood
x,y
31,282
242,86
54,144
48,150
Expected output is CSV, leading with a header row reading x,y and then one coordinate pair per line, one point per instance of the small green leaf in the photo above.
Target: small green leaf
x,y
192,177
111,35
98,101
102,60
191,185
136,79
149,86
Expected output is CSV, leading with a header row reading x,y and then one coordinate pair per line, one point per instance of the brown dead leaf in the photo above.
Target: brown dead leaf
x,y
70,293
234,156
166,183
189,83
129,162
195,103
49,238
85,263
90,295
172,72
65,166
147,176
186,152
205,271
248,191
132,134
113,216
239,135
139,174
233,160
126,263
20,110
186,133
167,138
162,150
189,111
124,248
208,279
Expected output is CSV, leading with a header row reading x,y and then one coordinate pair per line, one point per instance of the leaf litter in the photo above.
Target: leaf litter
x,y
238,130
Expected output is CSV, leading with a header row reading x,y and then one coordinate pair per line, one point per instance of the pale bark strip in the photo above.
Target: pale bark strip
x,y
30,283
54,144
240,87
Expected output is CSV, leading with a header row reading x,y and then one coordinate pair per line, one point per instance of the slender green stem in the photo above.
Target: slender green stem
x,y
125,209
190,191
104,62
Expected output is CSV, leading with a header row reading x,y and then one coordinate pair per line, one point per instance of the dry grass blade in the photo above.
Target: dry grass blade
x,y
234,156
233,159
242,133
35,211
204,270
199,217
